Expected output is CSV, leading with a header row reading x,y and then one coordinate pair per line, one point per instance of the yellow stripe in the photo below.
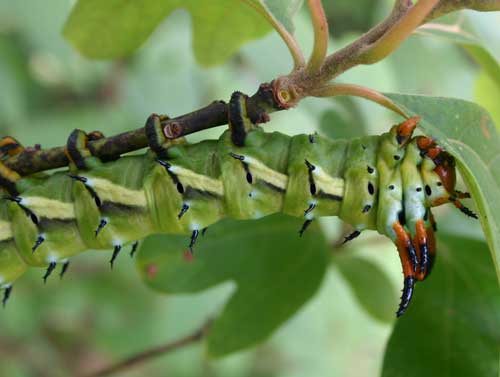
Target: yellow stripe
x,y
108,191
5,230
261,171
49,208
328,184
198,181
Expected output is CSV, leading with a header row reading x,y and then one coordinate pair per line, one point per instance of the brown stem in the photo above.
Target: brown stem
x,y
284,92
338,89
34,160
135,360
321,34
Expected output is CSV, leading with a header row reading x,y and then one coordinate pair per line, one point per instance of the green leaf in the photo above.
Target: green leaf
x,y
281,11
467,131
274,270
116,28
344,121
487,94
470,43
370,285
452,327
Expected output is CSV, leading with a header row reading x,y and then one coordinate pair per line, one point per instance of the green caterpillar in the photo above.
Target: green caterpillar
x,y
386,183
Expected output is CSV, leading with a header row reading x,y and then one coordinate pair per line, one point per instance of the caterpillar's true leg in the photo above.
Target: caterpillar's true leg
x,y
48,272
405,130
403,243
6,295
64,269
421,243
116,251
462,208
135,245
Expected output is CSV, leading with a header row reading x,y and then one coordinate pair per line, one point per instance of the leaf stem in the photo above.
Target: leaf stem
x,y
338,89
321,34
397,33
147,355
290,41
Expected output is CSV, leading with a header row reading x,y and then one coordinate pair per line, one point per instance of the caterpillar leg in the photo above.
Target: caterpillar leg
x,y
9,147
77,150
239,123
405,247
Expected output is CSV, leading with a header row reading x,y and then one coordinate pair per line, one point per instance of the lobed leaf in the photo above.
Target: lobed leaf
x,y
274,270
467,131
452,327
116,28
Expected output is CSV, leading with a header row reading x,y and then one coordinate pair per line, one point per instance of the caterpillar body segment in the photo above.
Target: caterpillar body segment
x,y
386,183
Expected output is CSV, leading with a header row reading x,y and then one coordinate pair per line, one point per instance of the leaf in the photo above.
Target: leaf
x,y
487,94
280,11
370,285
470,43
466,130
274,270
343,122
452,327
116,28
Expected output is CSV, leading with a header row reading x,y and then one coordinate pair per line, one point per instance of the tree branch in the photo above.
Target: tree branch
x,y
282,93
142,357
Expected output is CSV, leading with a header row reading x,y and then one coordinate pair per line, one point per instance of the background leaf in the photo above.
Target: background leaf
x,y
116,28
452,327
275,273
281,11
370,285
467,131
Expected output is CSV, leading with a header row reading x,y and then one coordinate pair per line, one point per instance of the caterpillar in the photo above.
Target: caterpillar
x,y
387,183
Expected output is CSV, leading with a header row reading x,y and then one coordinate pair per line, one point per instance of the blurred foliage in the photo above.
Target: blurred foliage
x,y
95,317
454,327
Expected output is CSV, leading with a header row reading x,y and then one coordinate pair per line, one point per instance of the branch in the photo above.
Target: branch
x,y
282,93
33,160
321,34
448,6
142,357
398,32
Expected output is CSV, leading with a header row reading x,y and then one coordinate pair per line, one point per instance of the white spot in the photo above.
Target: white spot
x,y
252,194
194,226
90,181
317,170
117,242
312,202
6,285
52,257
65,260
173,168
24,201
309,216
